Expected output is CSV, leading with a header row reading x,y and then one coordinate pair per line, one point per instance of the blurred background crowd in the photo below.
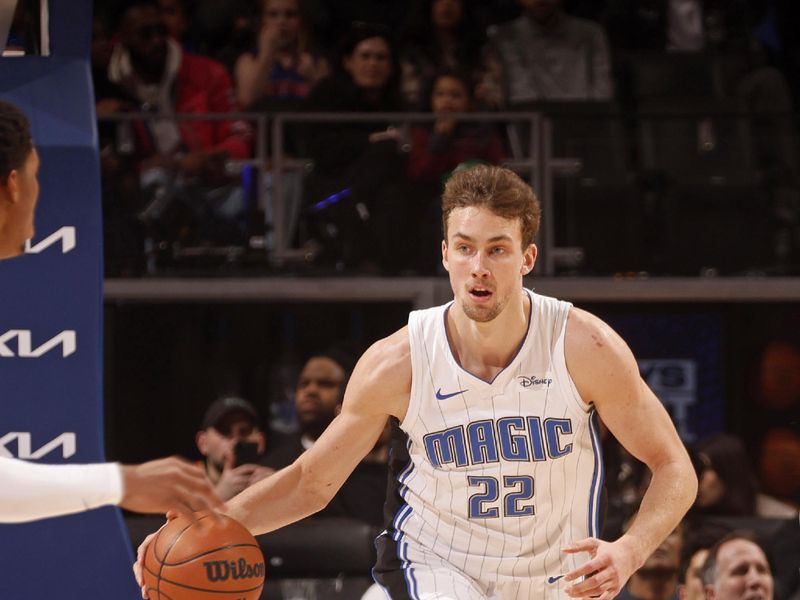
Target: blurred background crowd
x,y
677,114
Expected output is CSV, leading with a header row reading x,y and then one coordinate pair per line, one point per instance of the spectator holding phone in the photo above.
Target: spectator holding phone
x,y
232,442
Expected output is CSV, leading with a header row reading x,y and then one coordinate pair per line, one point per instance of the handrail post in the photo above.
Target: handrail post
x,y
280,243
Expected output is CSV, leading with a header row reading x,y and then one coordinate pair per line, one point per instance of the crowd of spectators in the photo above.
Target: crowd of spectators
x,y
372,183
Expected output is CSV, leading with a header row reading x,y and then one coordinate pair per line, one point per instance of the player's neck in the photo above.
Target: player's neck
x,y
487,348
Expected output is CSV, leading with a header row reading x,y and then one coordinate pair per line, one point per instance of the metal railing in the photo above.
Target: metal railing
x,y
532,155
274,162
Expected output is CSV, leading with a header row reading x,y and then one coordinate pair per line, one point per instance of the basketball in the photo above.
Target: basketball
x,y
203,560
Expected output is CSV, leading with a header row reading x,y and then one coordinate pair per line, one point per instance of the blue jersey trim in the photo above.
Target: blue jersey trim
x,y
597,478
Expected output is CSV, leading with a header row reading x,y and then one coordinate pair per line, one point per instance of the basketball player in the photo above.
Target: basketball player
x,y
35,491
495,397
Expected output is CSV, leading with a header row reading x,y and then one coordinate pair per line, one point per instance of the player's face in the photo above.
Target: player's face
x,y
484,257
22,191
742,572
319,391
370,64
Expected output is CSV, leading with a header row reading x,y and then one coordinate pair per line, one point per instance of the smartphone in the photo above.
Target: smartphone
x,y
246,453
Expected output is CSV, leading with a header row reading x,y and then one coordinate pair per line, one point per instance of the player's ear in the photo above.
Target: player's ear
x,y
528,259
10,186
444,256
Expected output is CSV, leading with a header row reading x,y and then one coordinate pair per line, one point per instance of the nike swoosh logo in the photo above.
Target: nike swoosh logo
x,y
553,579
441,396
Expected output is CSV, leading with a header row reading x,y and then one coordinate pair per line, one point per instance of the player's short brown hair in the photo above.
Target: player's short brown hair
x,y
500,190
15,139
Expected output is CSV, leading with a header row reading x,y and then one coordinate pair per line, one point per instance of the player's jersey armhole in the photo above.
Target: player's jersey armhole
x,y
560,363
414,333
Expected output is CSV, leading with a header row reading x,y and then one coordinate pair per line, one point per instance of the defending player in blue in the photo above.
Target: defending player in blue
x,y
494,398
31,491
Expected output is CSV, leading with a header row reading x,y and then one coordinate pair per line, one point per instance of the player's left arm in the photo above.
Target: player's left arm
x,y
607,376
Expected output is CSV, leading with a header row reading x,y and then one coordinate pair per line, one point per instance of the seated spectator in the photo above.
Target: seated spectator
x,y
227,422
548,55
728,485
438,149
657,578
443,36
177,160
698,537
281,70
358,207
318,399
737,568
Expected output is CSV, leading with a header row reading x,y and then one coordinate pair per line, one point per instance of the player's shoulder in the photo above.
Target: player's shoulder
x,y
390,358
384,372
597,358
590,339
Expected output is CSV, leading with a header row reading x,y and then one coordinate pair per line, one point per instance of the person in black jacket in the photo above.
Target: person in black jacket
x,y
355,195
318,399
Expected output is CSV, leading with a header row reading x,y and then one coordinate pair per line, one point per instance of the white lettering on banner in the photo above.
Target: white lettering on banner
x,y
67,441
65,234
25,349
674,381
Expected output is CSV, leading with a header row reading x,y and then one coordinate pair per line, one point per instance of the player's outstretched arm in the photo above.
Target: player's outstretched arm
x,y
167,484
33,491
379,388
606,375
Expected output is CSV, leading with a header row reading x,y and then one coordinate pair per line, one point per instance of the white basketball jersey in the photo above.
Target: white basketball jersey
x,y
502,474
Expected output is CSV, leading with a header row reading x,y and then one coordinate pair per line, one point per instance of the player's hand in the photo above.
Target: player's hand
x,y
167,484
138,566
608,570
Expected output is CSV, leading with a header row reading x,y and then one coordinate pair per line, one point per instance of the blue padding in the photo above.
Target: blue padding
x,y
54,392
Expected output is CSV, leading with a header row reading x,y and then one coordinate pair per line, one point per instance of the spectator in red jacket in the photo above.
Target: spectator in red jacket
x,y
156,76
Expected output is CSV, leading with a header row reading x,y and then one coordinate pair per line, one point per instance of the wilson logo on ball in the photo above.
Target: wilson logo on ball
x,y
222,570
